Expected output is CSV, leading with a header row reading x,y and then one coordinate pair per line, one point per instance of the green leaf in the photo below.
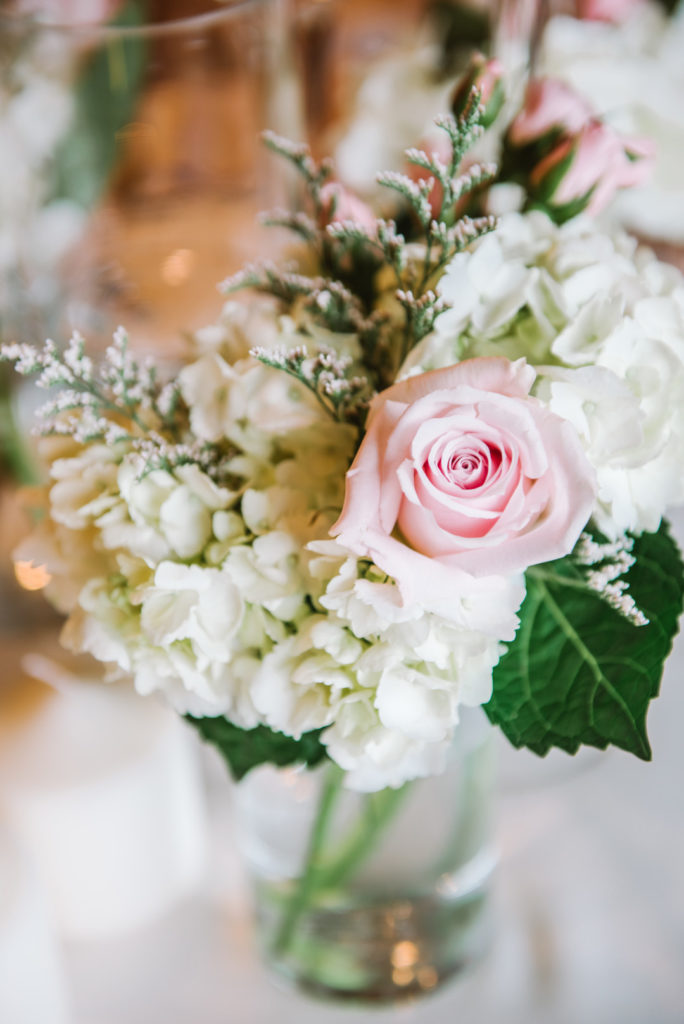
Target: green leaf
x,y
106,94
244,749
578,672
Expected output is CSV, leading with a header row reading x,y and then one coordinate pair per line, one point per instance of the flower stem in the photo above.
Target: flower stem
x,y
380,809
307,881
319,877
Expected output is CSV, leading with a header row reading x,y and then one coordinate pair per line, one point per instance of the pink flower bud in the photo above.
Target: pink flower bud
x,y
641,154
486,76
584,171
550,105
339,205
615,11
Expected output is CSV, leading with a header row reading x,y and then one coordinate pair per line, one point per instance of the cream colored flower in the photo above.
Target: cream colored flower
x,y
163,514
193,605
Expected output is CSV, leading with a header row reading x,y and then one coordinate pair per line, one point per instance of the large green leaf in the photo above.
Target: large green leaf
x,y
106,96
578,672
244,749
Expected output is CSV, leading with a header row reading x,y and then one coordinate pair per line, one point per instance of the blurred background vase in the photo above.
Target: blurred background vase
x,y
375,75
132,166
131,177
370,57
372,897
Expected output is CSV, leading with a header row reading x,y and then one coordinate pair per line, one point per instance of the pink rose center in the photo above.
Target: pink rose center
x,y
467,467
462,481
462,463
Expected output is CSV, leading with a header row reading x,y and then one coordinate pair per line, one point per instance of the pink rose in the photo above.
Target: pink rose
x,y
550,105
461,471
595,163
615,11
339,205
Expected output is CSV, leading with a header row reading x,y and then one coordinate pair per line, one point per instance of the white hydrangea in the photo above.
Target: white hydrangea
x,y
372,755
192,605
384,682
233,600
84,481
233,334
205,692
399,723
603,322
163,514
104,624
245,402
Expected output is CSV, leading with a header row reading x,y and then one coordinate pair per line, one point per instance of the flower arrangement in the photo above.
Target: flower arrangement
x,y
411,476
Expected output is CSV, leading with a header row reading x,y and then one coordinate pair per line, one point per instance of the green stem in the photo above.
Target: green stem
x,y
316,877
380,809
307,881
479,767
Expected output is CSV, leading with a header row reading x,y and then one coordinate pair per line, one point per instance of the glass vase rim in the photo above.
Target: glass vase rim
x,y
106,31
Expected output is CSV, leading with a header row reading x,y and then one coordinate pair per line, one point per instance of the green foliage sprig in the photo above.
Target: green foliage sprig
x,y
344,295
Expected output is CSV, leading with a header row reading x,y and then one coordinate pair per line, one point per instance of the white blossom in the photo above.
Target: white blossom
x,y
191,603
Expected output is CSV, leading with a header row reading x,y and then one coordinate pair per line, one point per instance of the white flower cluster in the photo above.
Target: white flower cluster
x,y
603,323
233,599
227,594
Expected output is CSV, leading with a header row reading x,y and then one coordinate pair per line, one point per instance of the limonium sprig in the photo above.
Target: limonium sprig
x,y
421,313
329,301
119,385
326,375
604,563
119,400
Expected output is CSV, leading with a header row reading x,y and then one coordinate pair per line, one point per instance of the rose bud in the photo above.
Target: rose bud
x,y
584,171
486,76
614,11
339,204
551,108
640,152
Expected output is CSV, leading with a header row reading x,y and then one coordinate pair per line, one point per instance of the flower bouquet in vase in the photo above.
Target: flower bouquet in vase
x,y
411,489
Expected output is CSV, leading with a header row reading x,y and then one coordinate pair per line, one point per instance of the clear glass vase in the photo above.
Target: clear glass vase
x,y
372,897
135,170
